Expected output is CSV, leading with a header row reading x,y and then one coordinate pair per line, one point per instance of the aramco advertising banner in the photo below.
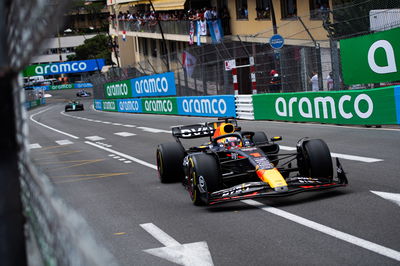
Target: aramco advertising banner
x,y
372,58
64,67
365,107
214,106
160,106
154,85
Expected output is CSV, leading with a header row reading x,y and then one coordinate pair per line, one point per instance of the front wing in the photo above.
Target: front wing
x,y
296,185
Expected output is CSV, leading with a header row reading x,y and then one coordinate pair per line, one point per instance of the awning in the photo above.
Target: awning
x,y
160,5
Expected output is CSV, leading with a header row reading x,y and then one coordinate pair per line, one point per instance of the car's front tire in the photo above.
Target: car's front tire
x,y
204,177
170,162
314,159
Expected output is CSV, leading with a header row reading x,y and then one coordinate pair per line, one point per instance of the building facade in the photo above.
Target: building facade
x,y
248,26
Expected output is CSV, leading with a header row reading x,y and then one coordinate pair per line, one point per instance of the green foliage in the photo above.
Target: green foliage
x,y
93,48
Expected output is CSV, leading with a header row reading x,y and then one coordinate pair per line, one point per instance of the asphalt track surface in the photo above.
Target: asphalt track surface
x,y
102,164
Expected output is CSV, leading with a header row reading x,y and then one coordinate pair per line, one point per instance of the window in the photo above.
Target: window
x,y
289,8
241,9
263,9
317,7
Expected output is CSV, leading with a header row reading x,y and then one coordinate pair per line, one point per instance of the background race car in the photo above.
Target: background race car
x,y
236,164
83,93
74,106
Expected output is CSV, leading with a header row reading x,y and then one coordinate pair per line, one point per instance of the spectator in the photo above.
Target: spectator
x,y
329,81
314,81
214,13
274,81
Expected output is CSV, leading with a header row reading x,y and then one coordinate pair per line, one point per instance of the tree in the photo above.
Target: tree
x,y
93,48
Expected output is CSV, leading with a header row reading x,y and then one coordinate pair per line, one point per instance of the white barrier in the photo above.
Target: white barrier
x,y
244,107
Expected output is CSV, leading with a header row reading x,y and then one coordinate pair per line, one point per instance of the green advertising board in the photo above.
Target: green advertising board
x,y
160,105
364,107
118,90
109,105
371,58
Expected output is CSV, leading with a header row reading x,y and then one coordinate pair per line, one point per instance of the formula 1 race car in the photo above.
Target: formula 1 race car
x,y
74,106
83,93
236,164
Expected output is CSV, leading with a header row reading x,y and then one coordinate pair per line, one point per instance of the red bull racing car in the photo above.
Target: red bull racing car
x,y
236,164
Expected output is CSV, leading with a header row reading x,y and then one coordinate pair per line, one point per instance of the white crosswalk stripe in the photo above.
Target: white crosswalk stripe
x,y
64,142
94,138
124,134
34,146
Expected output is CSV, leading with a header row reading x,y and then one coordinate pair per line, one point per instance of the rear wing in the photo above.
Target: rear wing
x,y
200,130
193,131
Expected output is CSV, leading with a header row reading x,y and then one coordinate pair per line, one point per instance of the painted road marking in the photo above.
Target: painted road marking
x,y
43,125
123,155
34,146
341,156
94,138
196,254
124,134
117,124
393,197
154,130
64,142
129,125
393,254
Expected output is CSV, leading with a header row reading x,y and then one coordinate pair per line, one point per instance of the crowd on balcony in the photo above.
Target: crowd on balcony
x,y
177,15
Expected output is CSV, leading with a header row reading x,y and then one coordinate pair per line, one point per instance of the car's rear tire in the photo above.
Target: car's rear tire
x,y
260,138
170,162
314,159
204,177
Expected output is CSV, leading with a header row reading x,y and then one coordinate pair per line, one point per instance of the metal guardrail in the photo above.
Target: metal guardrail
x,y
244,107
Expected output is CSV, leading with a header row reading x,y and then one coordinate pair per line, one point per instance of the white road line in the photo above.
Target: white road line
x,y
94,138
160,235
393,254
123,155
106,122
129,125
64,142
341,156
117,124
154,130
128,162
43,125
124,134
34,146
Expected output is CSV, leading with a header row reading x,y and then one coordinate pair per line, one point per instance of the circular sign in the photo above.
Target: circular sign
x,y
276,41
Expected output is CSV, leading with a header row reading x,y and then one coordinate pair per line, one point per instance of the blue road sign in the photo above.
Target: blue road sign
x,y
276,41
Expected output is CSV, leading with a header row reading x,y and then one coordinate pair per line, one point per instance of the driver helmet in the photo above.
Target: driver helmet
x,y
231,142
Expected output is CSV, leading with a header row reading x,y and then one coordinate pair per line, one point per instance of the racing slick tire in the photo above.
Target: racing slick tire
x,y
170,162
315,159
260,138
204,177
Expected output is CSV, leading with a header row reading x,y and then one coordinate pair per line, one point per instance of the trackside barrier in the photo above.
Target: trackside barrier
x,y
357,107
35,103
244,107
64,86
210,106
145,86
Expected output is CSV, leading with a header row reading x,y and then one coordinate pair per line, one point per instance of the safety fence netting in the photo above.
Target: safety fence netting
x,y
200,70
55,234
